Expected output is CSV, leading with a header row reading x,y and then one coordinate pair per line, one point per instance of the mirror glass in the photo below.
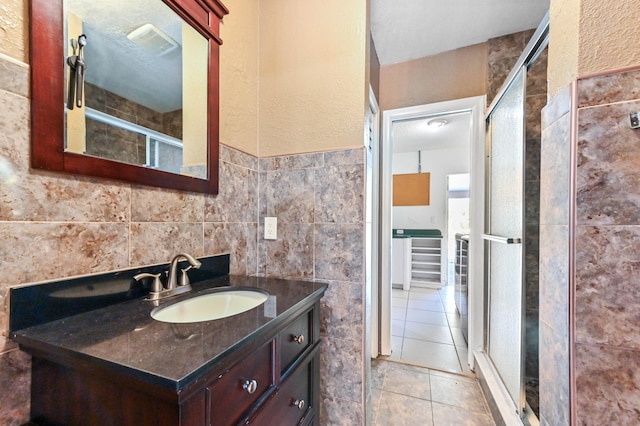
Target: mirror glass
x,y
136,85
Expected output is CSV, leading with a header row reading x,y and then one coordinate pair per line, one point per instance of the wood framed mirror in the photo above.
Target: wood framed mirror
x,y
96,138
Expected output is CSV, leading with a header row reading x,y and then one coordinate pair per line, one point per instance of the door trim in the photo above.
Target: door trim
x,y
476,106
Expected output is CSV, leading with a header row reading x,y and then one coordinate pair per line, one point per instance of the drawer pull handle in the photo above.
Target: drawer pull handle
x,y
299,340
299,403
250,386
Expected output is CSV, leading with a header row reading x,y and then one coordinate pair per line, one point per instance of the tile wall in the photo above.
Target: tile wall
x,y
54,226
591,312
607,263
554,262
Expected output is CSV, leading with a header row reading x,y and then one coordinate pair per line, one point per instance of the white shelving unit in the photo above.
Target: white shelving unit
x,y
426,262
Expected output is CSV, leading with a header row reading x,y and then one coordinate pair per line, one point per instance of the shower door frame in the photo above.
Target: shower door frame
x,y
489,373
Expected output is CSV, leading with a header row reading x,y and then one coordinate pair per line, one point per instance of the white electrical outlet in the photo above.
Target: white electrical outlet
x,y
270,228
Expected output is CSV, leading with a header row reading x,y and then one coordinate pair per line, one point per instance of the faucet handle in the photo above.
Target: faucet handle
x,y
184,278
156,286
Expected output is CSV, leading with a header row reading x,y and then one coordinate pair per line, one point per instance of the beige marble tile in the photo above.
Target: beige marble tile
x,y
555,173
338,318
161,205
15,369
341,373
291,255
289,195
610,88
229,238
237,200
458,392
42,251
6,343
47,197
607,385
289,162
153,242
608,173
339,194
239,158
339,250
447,415
340,412
557,106
607,277
14,77
379,370
554,376
554,277
408,383
401,410
14,137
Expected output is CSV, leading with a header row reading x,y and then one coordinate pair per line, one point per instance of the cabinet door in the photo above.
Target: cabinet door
x,y
295,402
237,390
294,339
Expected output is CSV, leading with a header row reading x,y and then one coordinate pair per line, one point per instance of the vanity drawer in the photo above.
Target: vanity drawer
x,y
294,402
294,339
231,395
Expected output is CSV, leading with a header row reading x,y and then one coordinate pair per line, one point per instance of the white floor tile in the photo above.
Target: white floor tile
x,y
425,305
426,317
398,302
458,337
430,354
429,332
398,313
399,293
397,328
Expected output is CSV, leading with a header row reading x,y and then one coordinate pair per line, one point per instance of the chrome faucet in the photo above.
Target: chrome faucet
x,y
172,283
173,287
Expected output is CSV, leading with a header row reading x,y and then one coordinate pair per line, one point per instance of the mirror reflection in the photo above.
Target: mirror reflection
x,y
136,85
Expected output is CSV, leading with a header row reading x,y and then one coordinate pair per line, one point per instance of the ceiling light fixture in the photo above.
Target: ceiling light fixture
x,y
437,123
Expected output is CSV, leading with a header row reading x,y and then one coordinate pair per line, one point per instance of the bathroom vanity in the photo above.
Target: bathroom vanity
x,y
116,365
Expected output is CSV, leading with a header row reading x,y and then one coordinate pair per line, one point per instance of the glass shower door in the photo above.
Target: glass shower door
x,y
503,238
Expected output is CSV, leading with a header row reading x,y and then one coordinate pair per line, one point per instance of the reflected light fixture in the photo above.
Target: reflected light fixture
x,y
436,123
153,39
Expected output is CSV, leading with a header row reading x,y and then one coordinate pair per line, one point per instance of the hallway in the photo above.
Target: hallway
x,y
425,330
409,395
426,380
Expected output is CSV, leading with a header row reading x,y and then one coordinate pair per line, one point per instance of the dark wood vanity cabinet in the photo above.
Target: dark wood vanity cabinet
x,y
273,379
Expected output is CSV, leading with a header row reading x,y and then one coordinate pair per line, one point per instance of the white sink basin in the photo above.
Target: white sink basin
x,y
210,306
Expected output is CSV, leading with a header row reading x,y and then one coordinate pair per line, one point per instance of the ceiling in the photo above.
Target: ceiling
x,y
415,135
120,66
409,29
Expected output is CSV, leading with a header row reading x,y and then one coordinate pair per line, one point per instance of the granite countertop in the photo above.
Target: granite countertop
x,y
124,338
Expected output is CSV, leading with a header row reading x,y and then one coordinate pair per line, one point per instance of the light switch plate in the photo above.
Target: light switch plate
x,y
270,228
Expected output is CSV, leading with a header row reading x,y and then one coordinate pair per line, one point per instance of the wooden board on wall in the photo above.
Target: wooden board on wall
x,y
411,189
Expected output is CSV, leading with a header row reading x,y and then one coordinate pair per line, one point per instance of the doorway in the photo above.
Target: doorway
x,y
473,109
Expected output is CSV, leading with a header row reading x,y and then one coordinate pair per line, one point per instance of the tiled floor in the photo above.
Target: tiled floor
x,y
425,330
407,395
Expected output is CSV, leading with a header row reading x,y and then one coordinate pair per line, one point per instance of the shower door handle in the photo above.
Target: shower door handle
x,y
501,240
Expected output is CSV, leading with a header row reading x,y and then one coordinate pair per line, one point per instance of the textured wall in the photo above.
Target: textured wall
x,y
457,74
591,36
239,75
14,29
607,35
564,16
312,75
